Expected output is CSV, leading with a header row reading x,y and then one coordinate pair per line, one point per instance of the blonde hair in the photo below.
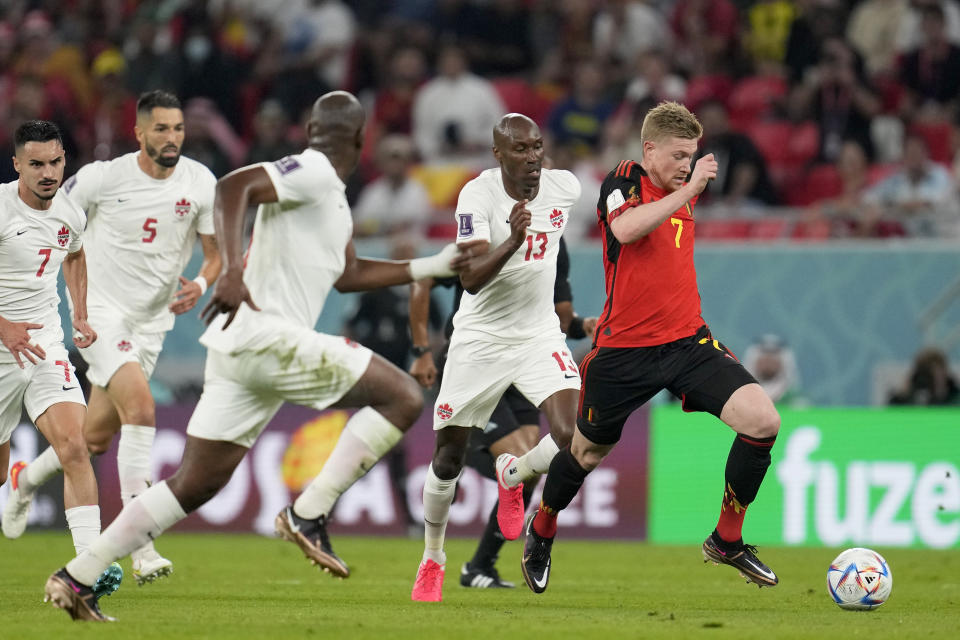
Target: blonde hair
x,y
670,120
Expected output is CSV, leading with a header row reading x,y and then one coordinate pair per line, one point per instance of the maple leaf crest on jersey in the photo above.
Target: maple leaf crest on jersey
x,y
556,218
444,411
124,345
182,208
63,236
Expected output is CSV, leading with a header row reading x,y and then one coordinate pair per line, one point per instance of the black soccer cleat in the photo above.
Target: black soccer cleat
x,y
76,599
740,556
311,536
536,559
482,578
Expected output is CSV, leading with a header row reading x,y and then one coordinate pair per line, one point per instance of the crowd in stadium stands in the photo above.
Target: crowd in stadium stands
x,y
829,118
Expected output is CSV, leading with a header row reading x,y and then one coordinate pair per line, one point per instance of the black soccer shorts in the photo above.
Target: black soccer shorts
x,y
698,369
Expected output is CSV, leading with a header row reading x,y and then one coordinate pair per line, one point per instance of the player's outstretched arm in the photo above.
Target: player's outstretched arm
x,y
191,291
638,221
235,192
423,368
481,264
363,274
75,275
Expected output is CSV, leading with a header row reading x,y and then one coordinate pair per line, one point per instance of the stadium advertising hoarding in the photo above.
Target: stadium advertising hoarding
x,y
294,446
840,477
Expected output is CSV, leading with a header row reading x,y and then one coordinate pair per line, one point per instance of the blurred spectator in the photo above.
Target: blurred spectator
x,y
393,105
837,95
919,193
500,41
625,29
394,201
931,72
270,128
769,24
114,110
579,120
706,33
655,82
910,35
454,113
774,365
209,138
873,25
842,206
814,24
319,37
930,382
151,64
742,178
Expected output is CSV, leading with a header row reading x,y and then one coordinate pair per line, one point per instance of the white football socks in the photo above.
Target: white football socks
x,y
45,466
533,463
84,525
437,497
144,519
133,465
365,439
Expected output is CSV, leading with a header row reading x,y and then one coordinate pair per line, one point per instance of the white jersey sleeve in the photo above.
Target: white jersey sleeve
x,y
205,200
85,185
296,179
473,213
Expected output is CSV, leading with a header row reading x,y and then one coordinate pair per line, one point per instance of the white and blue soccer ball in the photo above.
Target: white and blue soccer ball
x,y
859,579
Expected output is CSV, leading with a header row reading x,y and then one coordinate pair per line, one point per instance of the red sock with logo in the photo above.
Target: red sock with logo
x,y
747,464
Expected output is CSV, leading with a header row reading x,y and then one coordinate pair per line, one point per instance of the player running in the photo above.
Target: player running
x,y
506,332
145,210
651,336
40,230
262,350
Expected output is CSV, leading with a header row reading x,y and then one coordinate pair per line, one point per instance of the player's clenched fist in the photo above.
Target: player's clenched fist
x,y
519,221
703,172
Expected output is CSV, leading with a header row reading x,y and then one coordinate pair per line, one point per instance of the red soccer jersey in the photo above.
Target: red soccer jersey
x,y
652,295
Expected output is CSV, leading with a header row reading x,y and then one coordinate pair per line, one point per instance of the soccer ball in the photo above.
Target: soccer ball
x,y
859,579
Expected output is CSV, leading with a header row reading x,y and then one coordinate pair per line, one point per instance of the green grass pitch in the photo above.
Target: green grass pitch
x,y
245,586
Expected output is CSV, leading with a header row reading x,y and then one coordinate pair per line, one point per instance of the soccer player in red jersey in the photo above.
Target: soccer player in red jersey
x,y
651,336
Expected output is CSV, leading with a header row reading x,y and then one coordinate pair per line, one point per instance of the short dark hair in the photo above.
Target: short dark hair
x,y
157,98
36,131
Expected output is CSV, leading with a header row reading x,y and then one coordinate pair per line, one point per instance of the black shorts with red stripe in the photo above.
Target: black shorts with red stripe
x,y
699,370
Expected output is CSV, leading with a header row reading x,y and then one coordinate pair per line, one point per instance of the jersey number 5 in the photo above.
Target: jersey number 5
x,y
150,226
542,239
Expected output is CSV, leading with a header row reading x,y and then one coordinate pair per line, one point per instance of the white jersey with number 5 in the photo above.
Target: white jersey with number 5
x,y
140,234
517,304
297,252
33,245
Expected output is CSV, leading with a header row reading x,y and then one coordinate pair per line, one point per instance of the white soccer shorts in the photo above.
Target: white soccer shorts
x,y
477,373
117,344
36,387
242,392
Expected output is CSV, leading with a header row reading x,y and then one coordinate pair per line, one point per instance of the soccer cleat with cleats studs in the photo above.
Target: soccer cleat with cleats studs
x,y
150,566
78,600
17,509
482,578
742,557
510,508
311,536
536,559
109,581
428,586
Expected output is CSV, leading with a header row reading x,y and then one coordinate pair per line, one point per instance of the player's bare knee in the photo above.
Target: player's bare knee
x,y
98,446
72,452
3,475
192,491
764,423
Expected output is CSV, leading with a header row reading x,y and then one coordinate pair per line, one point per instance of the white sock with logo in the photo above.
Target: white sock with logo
x,y
144,519
133,466
45,466
84,525
365,439
437,497
533,463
